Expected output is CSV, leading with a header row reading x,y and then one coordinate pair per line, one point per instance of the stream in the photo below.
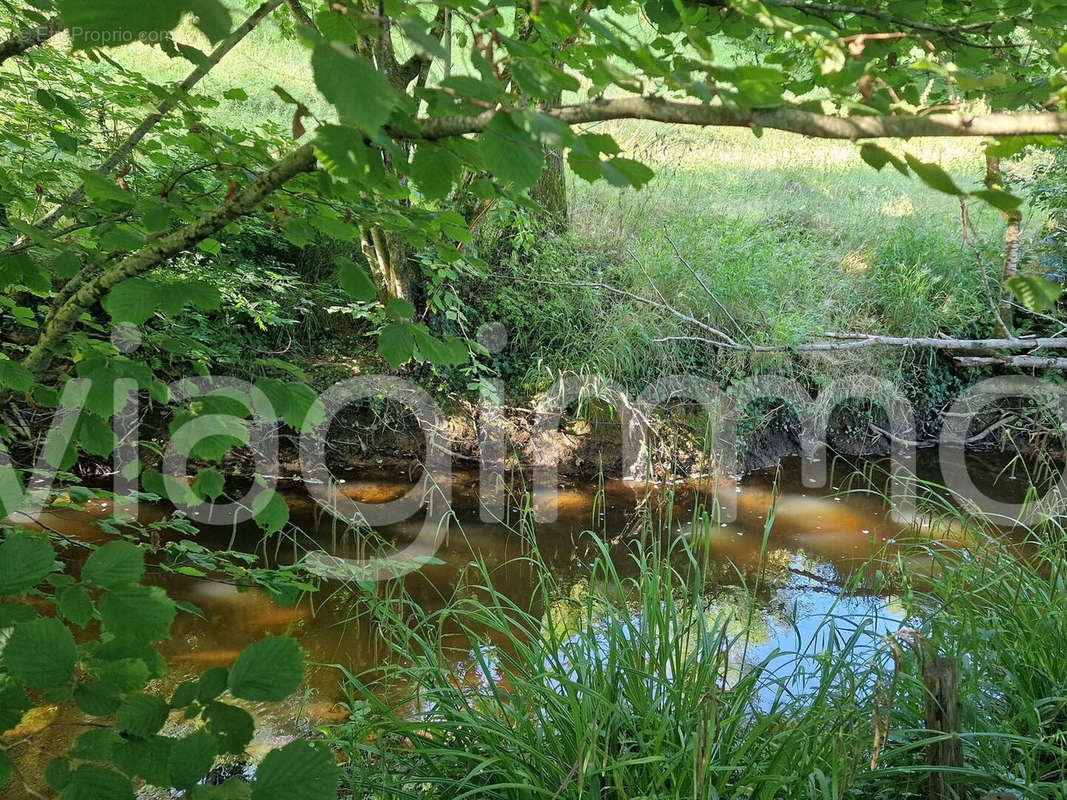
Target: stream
x,y
821,541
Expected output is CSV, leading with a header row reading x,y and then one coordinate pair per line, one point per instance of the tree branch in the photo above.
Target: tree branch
x,y
858,341
790,120
826,11
881,16
300,13
159,251
1023,362
123,151
29,38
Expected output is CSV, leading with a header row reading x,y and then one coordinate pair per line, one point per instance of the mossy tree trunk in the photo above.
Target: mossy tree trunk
x,y
387,258
550,191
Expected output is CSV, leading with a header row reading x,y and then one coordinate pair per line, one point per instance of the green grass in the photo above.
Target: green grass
x,y
636,684
795,238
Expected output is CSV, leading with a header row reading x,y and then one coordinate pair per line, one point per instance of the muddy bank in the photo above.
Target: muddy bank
x,y
587,445
384,435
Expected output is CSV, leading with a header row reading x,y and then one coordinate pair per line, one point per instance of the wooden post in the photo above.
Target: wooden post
x,y
941,677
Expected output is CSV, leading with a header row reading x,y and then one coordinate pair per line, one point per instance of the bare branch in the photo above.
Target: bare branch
x,y
859,341
707,291
790,120
1022,362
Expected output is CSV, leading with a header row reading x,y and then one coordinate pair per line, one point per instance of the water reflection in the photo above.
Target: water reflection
x,y
779,582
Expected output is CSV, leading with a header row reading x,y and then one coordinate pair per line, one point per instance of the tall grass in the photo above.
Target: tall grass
x,y
632,689
636,684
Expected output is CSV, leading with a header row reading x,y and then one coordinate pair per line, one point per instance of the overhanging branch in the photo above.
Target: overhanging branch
x,y
161,250
791,120
126,147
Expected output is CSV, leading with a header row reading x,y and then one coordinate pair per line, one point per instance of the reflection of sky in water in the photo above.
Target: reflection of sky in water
x,y
818,624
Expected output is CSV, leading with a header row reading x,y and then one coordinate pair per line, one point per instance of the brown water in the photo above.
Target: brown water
x,y
820,542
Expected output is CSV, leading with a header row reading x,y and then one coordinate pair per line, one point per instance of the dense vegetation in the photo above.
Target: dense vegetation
x,y
294,193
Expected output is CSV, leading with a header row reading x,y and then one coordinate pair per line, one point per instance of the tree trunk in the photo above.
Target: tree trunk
x,y
550,191
390,267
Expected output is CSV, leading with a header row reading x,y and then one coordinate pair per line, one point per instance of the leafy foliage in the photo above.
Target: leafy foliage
x,y
107,675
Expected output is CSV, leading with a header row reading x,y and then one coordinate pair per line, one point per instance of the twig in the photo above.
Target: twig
x,y
708,291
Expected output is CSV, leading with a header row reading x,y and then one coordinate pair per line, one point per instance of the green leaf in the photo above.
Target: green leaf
x,y
356,281
934,177
64,141
25,561
209,484
149,758
342,153
212,683
138,613
57,773
212,18
233,726
358,91
398,308
96,744
134,300
114,564
11,614
13,702
999,199
141,715
431,349
299,771
95,435
113,23
41,654
184,695
434,170
878,157
303,409
1036,293
74,605
103,189
200,294
458,351
5,769
510,153
395,343
624,172
98,698
269,670
191,758
90,782
14,376
126,674
270,511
